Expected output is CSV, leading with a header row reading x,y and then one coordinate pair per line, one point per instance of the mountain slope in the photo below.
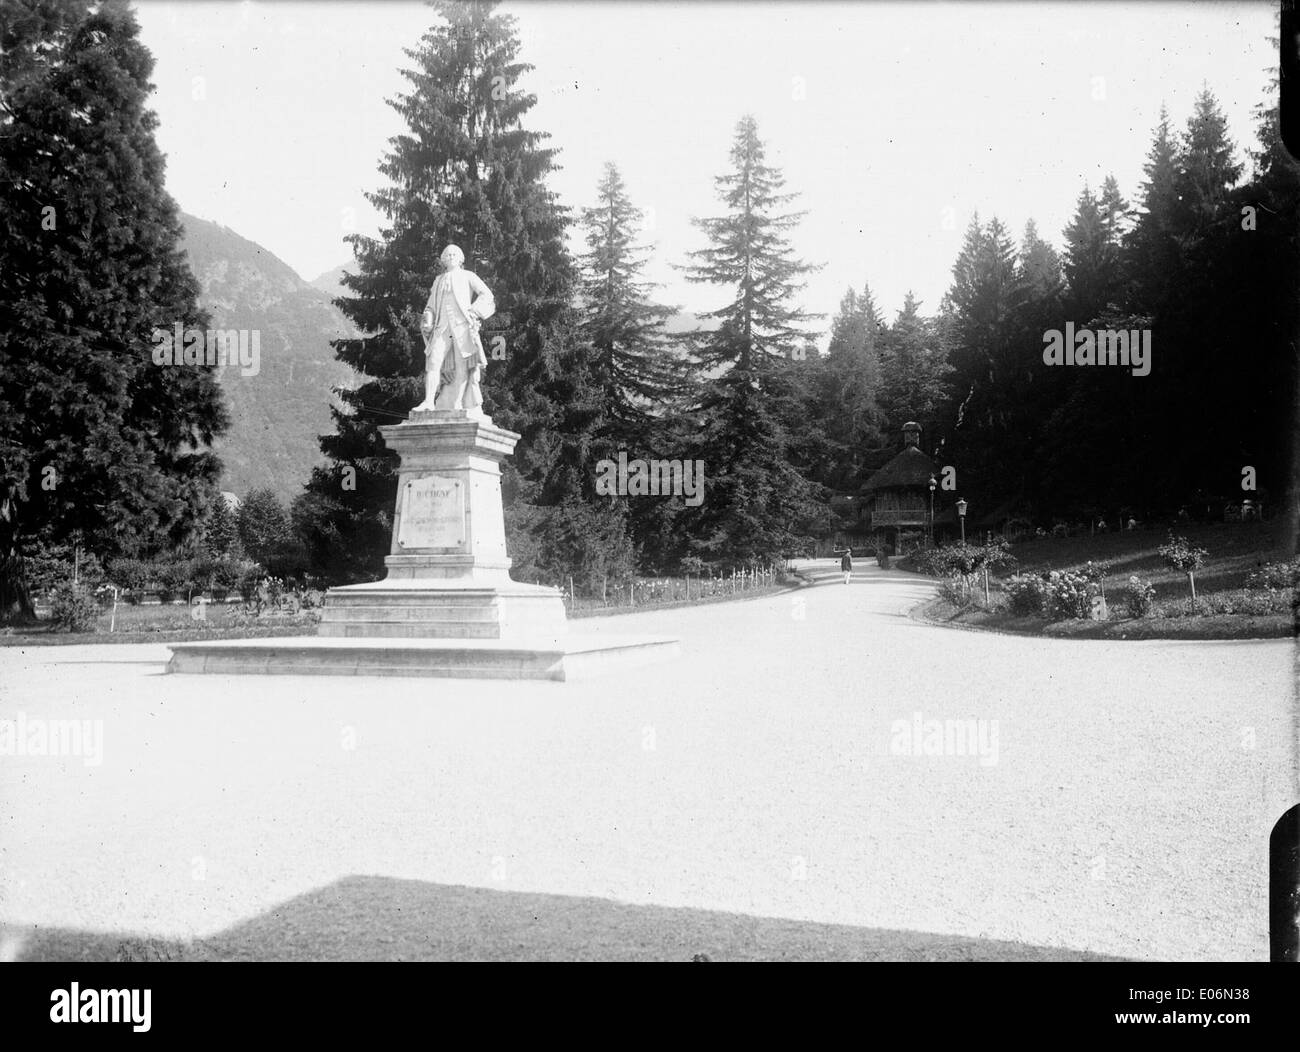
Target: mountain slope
x,y
278,413
331,282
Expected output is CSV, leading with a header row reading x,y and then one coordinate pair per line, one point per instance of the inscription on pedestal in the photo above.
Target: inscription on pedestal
x,y
433,513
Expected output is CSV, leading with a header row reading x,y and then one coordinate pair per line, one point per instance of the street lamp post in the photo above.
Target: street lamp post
x,y
933,484
961,517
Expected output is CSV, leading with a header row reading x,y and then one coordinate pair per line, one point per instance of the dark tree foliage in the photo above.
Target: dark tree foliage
x,y
914,371
750,253
1207,264
264,527
844,395
221,531
758,507
754,431
642,382
1151,249
636,368
95,439
988,354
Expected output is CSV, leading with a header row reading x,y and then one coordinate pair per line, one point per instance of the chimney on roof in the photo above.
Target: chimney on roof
x,y
911,434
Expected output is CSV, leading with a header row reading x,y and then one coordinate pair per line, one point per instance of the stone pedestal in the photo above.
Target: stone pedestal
x,y
448,572
447,607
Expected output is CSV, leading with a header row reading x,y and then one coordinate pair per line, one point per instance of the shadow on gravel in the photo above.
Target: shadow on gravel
x,y
386,919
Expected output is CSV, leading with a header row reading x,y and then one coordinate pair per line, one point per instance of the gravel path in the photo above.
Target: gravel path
x,y
1121,806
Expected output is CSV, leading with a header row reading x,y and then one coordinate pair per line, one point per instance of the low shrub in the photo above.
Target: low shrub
x,y
954,589
927,561
249,578
1096,573
200,575
173,578
224,575
971,559
1275,577
1026,595
176,578
1067,595
1179,554
73,607
132,574
1241,602
46,566
1139,596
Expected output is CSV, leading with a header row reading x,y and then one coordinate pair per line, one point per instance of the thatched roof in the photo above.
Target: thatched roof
x,y
910,468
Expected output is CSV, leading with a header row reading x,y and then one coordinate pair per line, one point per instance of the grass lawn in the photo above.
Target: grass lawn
x,y
1235,549
164,623
174,623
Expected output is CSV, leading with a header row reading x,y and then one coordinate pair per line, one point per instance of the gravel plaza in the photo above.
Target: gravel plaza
x,y
746,800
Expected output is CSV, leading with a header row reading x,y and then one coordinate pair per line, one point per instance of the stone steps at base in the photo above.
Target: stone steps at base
x,y
413,612
427,613
390,628
551,659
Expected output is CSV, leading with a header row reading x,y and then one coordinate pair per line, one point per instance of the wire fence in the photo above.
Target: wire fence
x,y
662,591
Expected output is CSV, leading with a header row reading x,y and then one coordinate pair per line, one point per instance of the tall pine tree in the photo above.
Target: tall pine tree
x,y
842,394
1091,259
466,172
757,506
1209,169
635,365
96,439
914,372
1152,253
750,253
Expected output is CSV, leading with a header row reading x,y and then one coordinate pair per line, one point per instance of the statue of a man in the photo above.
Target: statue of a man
x,y
453,353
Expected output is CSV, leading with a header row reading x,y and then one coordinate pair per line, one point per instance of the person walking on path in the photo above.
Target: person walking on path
x,y
846,564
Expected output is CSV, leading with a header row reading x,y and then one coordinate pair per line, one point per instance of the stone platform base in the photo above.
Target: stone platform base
x,y
555,658
406,609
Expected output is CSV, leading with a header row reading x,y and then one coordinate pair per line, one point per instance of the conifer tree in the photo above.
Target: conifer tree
x,y
987,312
1090,260
754,425
1264,257
1151,248
221,531
842,392
635,365
914,371
1040,266
750,253
95,438
264,527
467,172
1208,170
1115,211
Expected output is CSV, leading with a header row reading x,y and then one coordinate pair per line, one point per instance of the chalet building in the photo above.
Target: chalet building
x,y
896,498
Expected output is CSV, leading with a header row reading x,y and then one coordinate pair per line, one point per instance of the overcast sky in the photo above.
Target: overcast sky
x,y
894,122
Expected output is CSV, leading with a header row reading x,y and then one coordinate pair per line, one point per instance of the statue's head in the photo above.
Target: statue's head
x,y
451,258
